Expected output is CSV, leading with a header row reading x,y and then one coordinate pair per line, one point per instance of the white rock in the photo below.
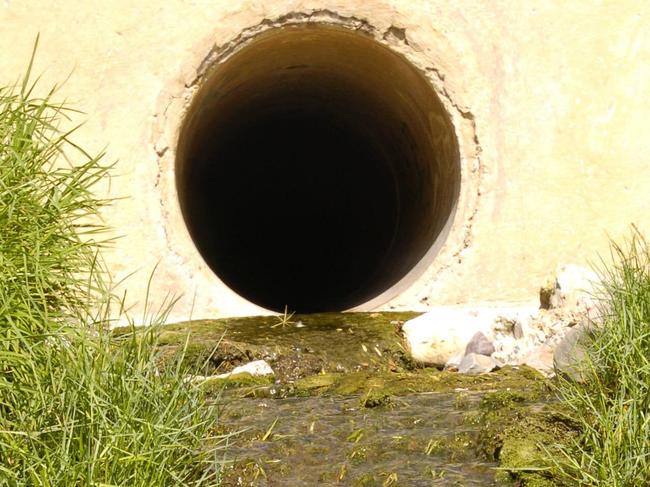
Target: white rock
x,y
508,317
540,358
434,337
256,368
574,287
507,349
454,361
474,363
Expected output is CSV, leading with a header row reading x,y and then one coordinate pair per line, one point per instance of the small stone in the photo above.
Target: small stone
x,y
480,344
518,330
545,294
574,288
503,325
454,361
505,346
540,358
499,364
570,357
474,363
257,368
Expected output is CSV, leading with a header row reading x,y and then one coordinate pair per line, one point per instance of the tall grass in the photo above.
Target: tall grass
x,y
612,406
77,407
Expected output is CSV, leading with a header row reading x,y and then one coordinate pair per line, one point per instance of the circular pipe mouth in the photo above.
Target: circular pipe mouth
x,y
315,169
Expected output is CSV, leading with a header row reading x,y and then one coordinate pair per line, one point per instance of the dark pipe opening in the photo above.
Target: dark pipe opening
x,y
315,169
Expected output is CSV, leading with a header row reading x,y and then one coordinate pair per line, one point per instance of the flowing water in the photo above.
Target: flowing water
x,y
347,406
416,440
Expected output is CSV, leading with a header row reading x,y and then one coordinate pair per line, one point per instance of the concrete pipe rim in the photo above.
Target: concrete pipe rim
x,y
367,95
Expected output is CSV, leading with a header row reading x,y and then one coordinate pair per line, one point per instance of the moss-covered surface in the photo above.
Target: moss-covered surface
x,y
522,436
338,440
420,380
303,346
491,431
502,418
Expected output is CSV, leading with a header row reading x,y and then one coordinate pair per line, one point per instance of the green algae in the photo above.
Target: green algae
x,y
335,440
311,344
421,380
361,356
492,398
522,438
308,429
527,446
375,398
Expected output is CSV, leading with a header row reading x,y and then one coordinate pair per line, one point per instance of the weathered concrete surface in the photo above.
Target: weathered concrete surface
x,y
548,99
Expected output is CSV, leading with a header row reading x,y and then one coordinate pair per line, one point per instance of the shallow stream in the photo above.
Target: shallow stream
x,y
347,406
417,440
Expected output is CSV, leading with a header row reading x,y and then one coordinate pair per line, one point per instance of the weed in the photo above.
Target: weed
x,y
612,405
76,406
284,320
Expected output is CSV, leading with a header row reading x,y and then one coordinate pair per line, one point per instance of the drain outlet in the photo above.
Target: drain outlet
x,y
315,169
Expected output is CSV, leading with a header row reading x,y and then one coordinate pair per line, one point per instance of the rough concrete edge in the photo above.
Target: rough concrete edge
x,y
177,96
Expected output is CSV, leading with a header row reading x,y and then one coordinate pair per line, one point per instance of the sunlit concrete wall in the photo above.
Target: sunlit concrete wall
x,y
548,99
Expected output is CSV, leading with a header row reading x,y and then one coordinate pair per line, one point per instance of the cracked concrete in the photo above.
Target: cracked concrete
x,y
547,103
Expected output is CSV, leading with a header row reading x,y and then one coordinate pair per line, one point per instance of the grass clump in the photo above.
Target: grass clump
x,y
76,406
612,405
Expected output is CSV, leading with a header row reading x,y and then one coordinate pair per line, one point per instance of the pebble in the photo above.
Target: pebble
x,y
479,344
474,363
257,368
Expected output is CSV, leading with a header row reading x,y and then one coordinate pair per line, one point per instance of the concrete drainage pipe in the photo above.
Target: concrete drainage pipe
x,y
315,169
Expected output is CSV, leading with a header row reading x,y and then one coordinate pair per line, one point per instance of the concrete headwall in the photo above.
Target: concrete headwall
x,y
548,103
